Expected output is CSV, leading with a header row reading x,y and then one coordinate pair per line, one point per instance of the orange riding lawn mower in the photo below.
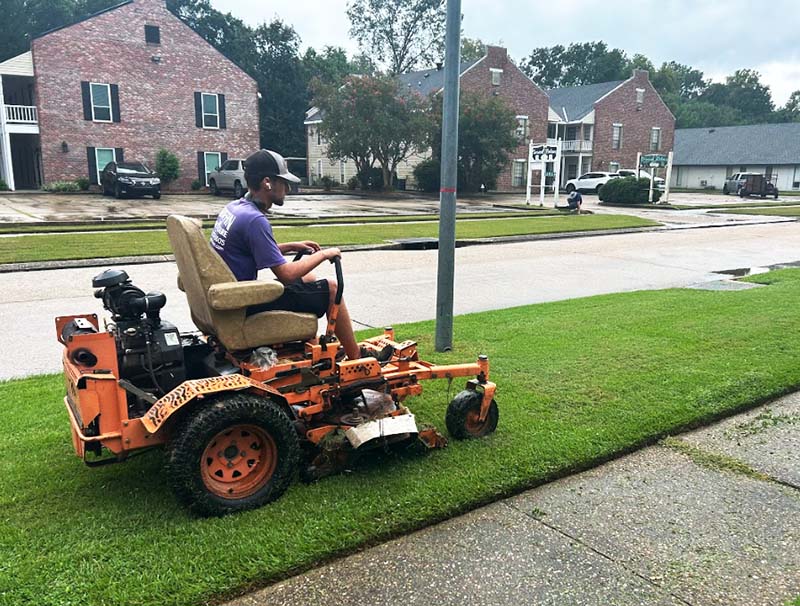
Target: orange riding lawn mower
x,y
246,402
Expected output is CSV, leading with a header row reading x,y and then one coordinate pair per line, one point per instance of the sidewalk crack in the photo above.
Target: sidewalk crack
x,y
598,552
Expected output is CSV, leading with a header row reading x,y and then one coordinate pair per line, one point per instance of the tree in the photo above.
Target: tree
x,y
367,121
678,79
695,113
743,92
545,66
791,111
400,33
486,137
472,49
578,64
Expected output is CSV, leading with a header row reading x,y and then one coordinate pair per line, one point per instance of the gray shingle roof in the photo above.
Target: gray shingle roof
x,y
743,145
427,81
578,100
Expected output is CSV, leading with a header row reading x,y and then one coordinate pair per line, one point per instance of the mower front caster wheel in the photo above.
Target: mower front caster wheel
x,y
463,416
233,453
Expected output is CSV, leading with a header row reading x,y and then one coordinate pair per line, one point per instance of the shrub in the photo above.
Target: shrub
x,y
327,183
427,174
353,183
83,183
628,190
3,185
167,166
62,186
371,178
196,184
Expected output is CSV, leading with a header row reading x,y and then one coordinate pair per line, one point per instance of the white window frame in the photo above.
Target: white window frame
x,y
523,128
522,164
611,166
639,96
97,166
342,164
619,139
319,169
654,130
496,75
110,105
203,109
205,162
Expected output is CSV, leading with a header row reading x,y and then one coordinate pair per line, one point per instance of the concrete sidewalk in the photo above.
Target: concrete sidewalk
x,y
708,518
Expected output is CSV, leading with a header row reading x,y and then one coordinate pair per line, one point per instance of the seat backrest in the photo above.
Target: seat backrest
x,y
199,266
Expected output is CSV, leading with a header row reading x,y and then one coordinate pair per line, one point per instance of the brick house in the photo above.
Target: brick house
x,y
120,85
601,125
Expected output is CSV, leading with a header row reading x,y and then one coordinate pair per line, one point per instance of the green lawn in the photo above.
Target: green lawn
x,y
781,211
579,381
16,249
753,204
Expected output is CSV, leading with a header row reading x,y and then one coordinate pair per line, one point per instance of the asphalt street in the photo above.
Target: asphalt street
x,y
391,287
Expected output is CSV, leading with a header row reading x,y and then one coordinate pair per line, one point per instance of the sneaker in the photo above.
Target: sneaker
x,y
384,355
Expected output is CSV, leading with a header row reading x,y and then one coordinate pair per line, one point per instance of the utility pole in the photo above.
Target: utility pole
x,y
449,173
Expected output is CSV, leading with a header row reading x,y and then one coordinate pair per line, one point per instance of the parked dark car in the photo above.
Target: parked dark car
x,y
129,179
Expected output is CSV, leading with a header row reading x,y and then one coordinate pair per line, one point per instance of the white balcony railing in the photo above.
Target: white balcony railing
x,y
21,114
575,146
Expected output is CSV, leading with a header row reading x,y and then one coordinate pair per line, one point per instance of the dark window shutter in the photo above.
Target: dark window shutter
x,y
115,102
198,110
201,167
119,154
223,158
92,165
222,123
87,101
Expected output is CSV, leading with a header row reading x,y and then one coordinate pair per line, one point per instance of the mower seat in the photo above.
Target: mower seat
x,y
218,302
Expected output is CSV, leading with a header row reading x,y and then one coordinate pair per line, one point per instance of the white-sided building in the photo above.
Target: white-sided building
x,y
705,157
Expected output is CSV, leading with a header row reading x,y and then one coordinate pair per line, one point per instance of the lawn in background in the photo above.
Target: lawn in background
x,y
579,381
50,247
781,211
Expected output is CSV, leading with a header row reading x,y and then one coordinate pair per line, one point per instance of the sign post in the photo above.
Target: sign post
x,y
539,156
530,173
668,178
652,161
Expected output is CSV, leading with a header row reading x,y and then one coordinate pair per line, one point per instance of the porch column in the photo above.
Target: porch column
x,y
6,167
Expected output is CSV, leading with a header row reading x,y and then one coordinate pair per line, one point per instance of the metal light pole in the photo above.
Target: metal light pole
x,y
447,193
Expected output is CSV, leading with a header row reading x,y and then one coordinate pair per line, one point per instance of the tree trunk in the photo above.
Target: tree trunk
x,y
387,178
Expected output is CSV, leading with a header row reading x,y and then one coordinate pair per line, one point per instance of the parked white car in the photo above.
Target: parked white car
x,y
643,174
591,182
228,177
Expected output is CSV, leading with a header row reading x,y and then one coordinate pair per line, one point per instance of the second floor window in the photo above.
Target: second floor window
x,y
655,139
616,136
639,96
210,111
496,75
101,102
522,131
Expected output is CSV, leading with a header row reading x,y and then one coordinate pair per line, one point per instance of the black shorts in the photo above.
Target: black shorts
x,y
305,297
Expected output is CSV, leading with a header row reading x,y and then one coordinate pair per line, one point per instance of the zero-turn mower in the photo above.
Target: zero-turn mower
x,y
247,401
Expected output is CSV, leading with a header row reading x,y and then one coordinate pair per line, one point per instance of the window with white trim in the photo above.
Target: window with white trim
x,y
639,96
655,138
616,136
341,170
518,173
613,167
523,130
101,102
210,103
496,75
319,169
212,161
102,156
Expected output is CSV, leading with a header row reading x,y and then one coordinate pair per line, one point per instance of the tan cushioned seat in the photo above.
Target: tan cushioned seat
x,y
218,302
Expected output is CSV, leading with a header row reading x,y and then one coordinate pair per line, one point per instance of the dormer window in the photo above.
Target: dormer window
x,y
496,75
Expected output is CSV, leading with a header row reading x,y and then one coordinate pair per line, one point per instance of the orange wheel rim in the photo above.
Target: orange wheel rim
x,y
473,423
238,461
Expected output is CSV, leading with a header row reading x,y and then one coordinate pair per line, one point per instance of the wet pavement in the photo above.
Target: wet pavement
x,y
668,525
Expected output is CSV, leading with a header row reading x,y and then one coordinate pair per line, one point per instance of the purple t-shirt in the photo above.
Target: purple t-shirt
x,y
243,237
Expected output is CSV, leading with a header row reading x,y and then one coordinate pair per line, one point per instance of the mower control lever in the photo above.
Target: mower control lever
x,y
337,262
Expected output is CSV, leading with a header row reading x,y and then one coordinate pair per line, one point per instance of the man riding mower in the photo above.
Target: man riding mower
x,y
249,400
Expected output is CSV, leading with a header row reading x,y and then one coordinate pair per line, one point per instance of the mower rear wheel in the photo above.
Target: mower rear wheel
x,y
463,416
231,454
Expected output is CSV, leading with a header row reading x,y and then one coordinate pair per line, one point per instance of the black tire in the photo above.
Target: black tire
x,y
118,191
570,188
238,192
202,427
597,189
462,413
157,196
725,191
776,195
212,186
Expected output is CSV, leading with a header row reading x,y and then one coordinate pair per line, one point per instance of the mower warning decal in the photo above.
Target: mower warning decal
x,y
189,390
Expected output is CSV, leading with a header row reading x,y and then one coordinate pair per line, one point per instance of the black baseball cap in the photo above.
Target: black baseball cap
x,y
267,163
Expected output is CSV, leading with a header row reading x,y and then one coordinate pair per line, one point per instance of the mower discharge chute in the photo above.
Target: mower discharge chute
x,y
239,417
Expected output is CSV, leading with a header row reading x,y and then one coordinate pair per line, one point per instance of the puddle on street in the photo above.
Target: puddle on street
x,y
741,272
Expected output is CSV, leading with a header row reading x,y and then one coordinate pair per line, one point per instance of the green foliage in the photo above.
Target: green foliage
x,y
401,34
353,183
196,185
167,166
3,185
367,121
327,183
628,190
575,65
485,139
371,178
62,186
472,49
83,183
428,176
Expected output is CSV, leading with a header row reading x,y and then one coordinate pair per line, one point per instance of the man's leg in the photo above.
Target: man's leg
x,y
344,326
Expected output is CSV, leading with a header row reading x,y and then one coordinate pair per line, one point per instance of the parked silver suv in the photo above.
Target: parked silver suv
x,y
229,176
734,183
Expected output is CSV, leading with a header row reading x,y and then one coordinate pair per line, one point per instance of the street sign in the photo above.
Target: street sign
x,y
653,160
544,152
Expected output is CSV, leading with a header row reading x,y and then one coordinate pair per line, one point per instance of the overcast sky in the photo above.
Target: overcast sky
x,y
714,36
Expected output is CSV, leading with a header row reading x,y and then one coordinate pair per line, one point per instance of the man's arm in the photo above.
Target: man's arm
x,y
290,272
294,247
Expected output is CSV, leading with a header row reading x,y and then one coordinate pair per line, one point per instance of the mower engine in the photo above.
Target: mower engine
x,y
149,349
